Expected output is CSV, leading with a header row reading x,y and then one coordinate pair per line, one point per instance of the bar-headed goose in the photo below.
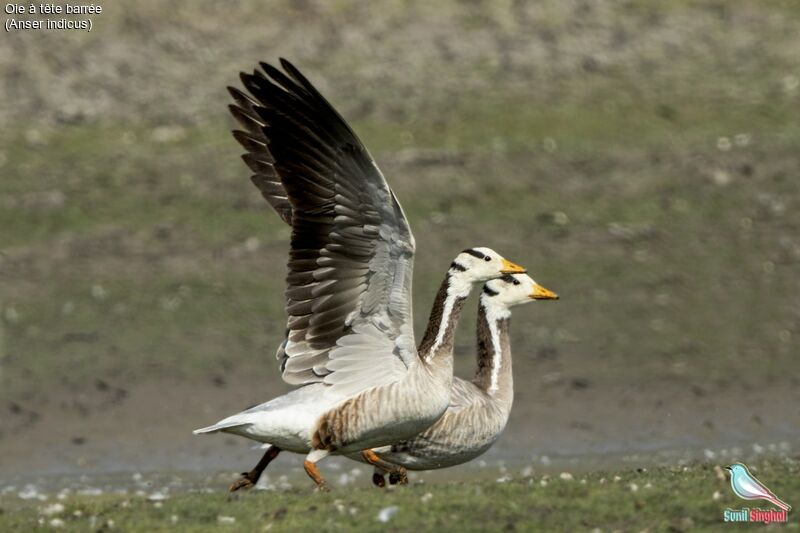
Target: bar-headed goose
x,y
479,408
349,346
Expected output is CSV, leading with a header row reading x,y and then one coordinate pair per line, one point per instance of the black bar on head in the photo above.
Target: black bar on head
x,y
490,292
458,266
474,253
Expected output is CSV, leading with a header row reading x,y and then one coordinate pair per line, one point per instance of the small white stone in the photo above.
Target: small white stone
x,y
98,292
252,244
227,520
426,497
157,497
56,508
386,514
720,177
56,523
29,492
11,314
566,476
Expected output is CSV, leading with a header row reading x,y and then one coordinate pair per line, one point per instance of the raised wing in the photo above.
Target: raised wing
x,y
350,265
258,158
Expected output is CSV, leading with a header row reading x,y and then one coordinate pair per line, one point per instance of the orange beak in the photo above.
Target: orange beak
x,y
540,293
511,268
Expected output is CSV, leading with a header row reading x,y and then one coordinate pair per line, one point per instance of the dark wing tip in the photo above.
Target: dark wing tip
x,y
266,67
245,77
286,64
235,92
298,77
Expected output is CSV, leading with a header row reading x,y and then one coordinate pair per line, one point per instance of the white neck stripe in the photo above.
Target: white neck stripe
x,y
496,357
456,288
493,312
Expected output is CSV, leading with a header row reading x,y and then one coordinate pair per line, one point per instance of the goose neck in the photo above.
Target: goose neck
x,y
440,333
494,375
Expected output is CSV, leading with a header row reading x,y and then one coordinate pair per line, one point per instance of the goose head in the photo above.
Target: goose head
x,y
481,264
514,289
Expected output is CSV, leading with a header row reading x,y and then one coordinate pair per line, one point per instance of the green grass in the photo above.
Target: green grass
x,y
658,499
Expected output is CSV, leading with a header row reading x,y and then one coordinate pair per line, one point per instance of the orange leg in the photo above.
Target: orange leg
x,y
399,472
313,473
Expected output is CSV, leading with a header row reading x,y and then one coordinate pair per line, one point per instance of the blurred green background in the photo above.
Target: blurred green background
x,y
640,158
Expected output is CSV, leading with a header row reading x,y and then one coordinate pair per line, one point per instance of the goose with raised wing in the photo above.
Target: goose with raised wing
x,y
349,346
479,409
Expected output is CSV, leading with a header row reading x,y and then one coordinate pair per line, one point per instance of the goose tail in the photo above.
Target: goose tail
x,y
225,425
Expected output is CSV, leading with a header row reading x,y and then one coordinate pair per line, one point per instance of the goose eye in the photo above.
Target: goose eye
x,y
516,282
487,258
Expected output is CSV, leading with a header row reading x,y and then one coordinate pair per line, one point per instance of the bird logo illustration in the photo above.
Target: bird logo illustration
x,y
747,487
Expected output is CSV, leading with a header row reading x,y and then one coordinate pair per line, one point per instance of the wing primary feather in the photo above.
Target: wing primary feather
x,y
348,233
